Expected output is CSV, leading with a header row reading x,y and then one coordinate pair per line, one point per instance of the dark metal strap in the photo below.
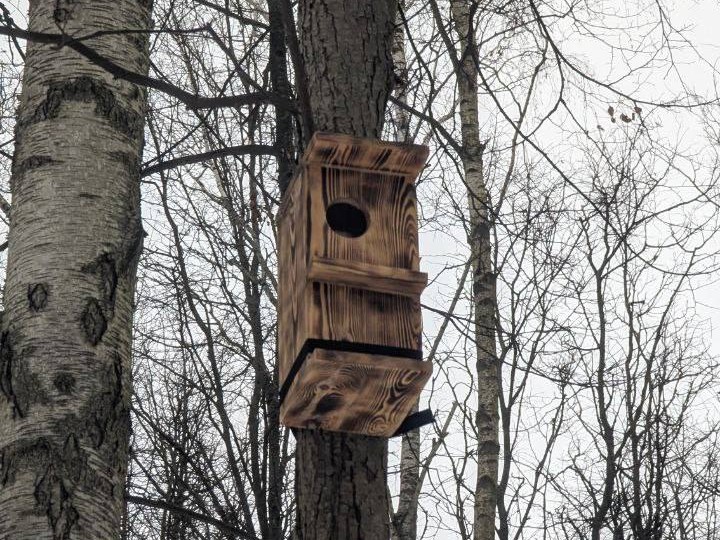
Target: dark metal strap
x,y
414,421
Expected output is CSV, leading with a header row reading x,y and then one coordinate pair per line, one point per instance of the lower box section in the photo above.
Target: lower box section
x,y
367,394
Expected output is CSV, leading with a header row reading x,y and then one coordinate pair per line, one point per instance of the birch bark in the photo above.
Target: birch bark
x,y
484,297
346,48
74,241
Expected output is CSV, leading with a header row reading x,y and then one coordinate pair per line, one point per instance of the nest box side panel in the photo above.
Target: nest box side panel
x,y
354,392
292,271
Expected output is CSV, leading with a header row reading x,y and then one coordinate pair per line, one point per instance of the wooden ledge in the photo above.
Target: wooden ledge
x,y
370,277
337,150
352,392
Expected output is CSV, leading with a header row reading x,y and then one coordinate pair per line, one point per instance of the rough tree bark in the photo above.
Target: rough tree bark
x,y
284,141
75,238
484,297
341,479
404,520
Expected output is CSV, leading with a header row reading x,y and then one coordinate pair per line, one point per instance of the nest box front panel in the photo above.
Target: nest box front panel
x,y
363,257
346,277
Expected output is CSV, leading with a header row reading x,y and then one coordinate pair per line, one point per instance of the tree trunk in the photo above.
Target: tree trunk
x,y
404,521
341,479
74,241
484,297
281,86
284,141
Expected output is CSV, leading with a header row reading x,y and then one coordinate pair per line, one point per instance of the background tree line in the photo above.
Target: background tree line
x,y
568,222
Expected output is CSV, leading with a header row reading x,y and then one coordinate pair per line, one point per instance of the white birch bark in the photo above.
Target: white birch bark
x,y
484,298
74,241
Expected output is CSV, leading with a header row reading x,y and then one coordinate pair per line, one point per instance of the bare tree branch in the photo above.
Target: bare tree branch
x,y
241,150
143,501
192,101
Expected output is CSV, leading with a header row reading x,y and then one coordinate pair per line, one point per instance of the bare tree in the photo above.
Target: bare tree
x,y
74,242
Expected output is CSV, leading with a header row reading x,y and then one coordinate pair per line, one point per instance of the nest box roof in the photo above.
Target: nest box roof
x,y
344,151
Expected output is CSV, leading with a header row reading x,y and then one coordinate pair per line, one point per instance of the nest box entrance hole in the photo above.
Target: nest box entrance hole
x,y
347,219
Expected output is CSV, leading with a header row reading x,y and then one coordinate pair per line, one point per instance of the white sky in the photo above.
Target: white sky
x,y
702,21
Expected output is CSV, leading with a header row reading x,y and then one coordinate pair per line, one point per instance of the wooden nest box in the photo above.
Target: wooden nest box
x,y
349,287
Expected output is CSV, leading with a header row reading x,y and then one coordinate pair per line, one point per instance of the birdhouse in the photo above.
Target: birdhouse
x,y
350,324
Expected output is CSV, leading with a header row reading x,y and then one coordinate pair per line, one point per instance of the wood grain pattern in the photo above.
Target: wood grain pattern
x,y
292,250
369,277
389,202
368,154
365,289
341,313
354,392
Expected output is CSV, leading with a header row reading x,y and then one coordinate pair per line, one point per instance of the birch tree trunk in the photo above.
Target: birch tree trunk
x,y
75,238
484,298
341,479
